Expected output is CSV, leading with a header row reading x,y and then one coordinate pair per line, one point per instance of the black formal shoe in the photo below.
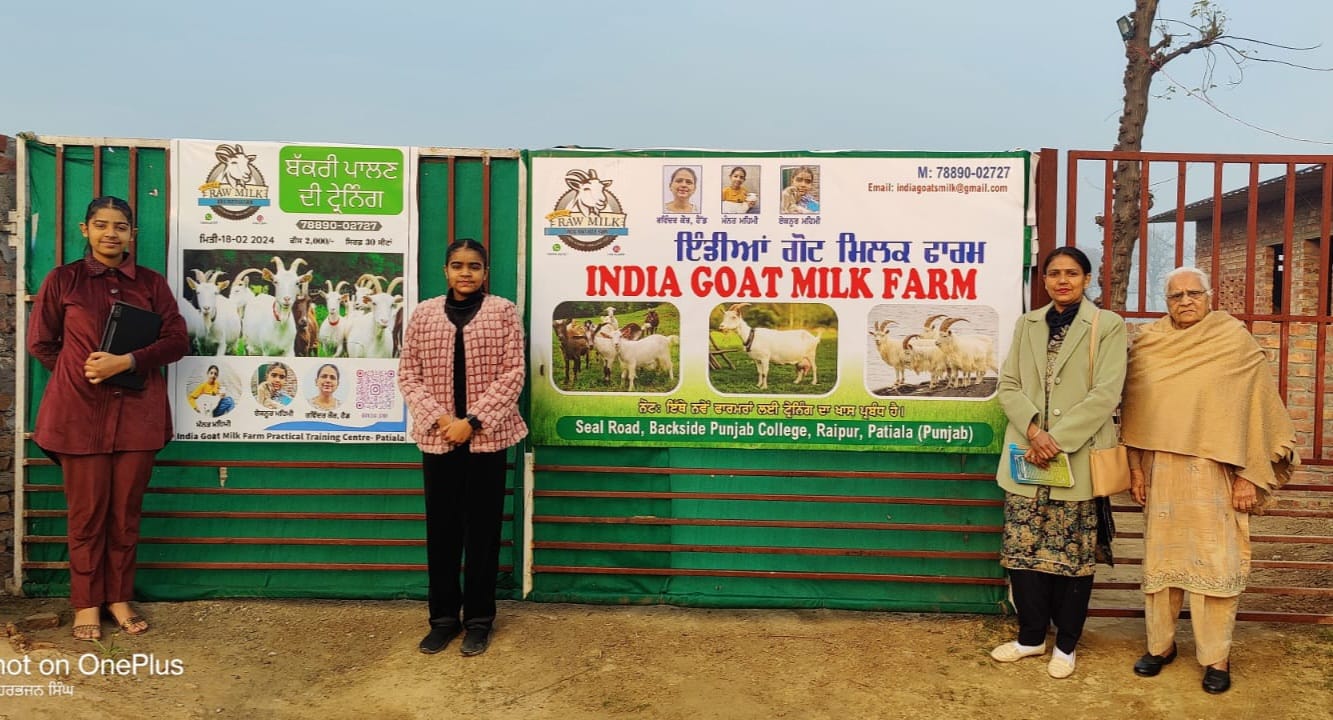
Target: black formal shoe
x,y
1216,681
476,641
438,637
1150,665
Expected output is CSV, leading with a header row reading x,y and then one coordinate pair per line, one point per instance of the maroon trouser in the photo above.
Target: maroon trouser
x,y
104,494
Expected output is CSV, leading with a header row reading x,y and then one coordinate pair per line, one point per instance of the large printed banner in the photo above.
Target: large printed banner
x,y
290,264
836,301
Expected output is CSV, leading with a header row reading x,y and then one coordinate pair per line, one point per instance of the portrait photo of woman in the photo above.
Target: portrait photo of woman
x,y
327,379
682,187
277,386
740,189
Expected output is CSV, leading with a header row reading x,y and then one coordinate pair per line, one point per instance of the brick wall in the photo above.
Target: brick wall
x,y
8,188
1303,267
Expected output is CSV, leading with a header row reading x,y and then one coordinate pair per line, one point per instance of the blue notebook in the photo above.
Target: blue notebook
x,y
1056,473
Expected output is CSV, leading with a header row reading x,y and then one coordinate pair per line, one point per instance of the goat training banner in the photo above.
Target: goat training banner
x,y
850,300
292,266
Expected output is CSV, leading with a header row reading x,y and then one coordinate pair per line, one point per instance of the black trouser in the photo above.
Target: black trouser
x,y
464,504
1041,598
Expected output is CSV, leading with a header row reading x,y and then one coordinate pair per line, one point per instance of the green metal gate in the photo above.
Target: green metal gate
x,y
251,519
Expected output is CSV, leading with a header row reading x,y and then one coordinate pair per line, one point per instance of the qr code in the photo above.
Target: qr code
x,y
375,389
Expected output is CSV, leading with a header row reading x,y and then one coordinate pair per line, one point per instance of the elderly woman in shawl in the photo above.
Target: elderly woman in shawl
x,y
1210,440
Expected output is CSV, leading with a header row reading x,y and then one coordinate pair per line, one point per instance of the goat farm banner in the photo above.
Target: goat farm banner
x,y
849,300
292,266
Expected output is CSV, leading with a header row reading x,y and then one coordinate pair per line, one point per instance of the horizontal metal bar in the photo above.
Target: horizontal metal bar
x,y
1246,615
339,542
1277,512
1255,589
759,472
1102,155
811,524
1281,539
342,567
113,141
767,497
232,463
1265,564
252,515
444,153
1277,539
244,491
768,575
762,550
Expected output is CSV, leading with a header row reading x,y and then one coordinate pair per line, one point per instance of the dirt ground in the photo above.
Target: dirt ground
x,y
260,659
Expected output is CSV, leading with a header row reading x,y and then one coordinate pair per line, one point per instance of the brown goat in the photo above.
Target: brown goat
x,y
307,327
574,346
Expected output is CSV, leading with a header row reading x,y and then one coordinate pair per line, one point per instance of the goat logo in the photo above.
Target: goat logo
x,y
235,188
587,216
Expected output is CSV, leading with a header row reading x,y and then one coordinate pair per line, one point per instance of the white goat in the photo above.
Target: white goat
x,y
930,332
222,324
333,331
237,166
968,356
891,350
650,352
766,345
610,318
194,323
365,286
240,290
922,355
589,192
268,325
604,341
206,403
370,335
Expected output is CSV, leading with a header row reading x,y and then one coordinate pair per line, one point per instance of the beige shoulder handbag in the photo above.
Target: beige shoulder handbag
x,y
1109,467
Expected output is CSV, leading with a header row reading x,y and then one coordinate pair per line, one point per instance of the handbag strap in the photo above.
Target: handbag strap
x,y
1092,345
1092,358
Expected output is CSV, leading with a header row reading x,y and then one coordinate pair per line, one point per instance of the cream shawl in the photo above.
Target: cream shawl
x,y
1206,391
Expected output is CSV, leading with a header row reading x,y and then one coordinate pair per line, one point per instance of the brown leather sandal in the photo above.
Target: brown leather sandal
x,y
87,633
130,622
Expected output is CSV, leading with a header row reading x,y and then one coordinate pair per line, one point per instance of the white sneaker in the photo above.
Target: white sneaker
x,y
1011,651
1061,666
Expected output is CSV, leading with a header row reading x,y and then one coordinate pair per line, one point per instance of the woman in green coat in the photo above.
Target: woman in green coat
x,y
1056,404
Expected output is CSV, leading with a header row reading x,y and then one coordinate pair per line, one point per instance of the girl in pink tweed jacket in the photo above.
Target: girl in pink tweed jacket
x,y
461,371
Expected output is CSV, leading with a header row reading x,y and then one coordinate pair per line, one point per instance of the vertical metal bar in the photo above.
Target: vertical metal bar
x,y
1322,305
522,265
1039,292
486,202
1145,204
449,201
1071,200
133,194
1215,272
60,205
1108,227
1048,195
21,295
166,173
486,210
1289,304
1251,242
97,171
1180,214
529,488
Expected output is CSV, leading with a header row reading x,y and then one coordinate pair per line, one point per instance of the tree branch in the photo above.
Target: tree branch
x,y
1189,47
1236,51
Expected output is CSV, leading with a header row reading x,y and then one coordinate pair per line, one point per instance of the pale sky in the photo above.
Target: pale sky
x,y
765,75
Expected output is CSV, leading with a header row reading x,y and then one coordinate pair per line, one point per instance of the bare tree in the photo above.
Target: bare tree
x,y
1150,45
